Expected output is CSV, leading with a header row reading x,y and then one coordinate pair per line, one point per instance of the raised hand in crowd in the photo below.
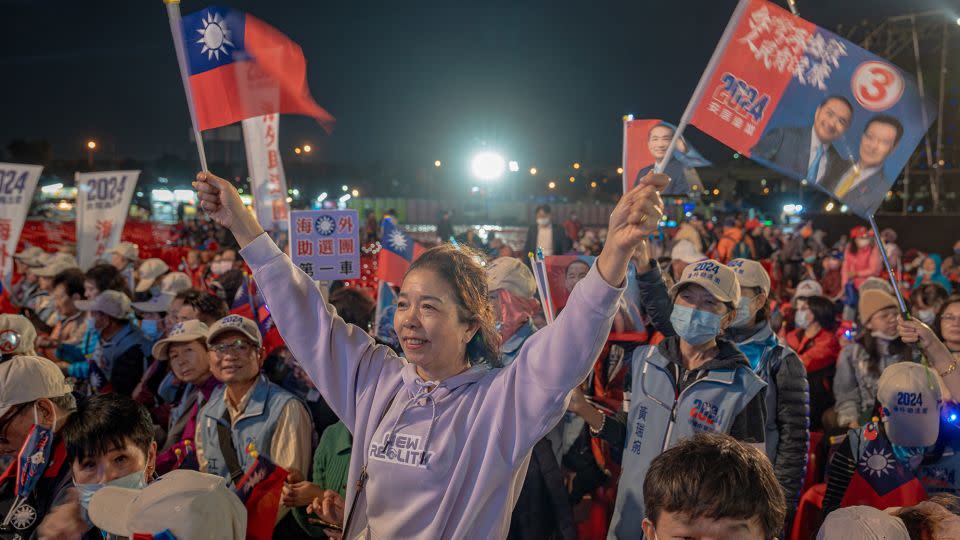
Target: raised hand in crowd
x,y
940,358
635,216
221,201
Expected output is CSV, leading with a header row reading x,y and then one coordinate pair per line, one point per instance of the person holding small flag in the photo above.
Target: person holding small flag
x,y
441,440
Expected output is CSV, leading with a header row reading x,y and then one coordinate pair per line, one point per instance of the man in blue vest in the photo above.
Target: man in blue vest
x,y
125,348
248,416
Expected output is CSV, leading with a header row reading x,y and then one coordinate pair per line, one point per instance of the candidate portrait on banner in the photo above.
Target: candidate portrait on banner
x,y
645,145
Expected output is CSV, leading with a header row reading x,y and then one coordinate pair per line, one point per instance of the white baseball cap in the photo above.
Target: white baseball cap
x,y
17,335
30,256
750,274
235,323
910,395
685,251
185,332
175,282
58,262
112,303
28,378
511,275
862,523
808,287
189,504
150,270
127,250
158,304
717,278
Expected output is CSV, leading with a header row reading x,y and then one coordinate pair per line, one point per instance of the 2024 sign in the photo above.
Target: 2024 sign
x,y
11,182
744,97
105,189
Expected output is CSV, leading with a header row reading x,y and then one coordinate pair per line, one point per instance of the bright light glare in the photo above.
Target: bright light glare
x,y
344,188
792,208
829,206
619,170
488,166
52,188
533,171
322,196
514,166
307,148
345,198
355,193
92,145
958,20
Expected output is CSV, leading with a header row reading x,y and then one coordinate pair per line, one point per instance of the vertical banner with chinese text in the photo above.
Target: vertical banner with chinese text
x,y
103,203
811,105
17,184
267,182
325,244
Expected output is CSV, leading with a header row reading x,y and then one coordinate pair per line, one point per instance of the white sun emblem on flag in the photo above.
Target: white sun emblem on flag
x,y
878,462
326,225
37,458
215,36
398,240
23,517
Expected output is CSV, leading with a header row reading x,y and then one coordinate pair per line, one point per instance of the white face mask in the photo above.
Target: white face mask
x,y
881,335
927,316
802,319
744,315
863,242
543,222
221,267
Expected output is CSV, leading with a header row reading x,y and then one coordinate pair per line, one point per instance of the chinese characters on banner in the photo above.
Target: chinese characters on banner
x,y
103,202
17,184
325,244
261,139
809,104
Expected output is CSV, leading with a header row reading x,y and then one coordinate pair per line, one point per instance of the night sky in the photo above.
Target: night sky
x,y
410,82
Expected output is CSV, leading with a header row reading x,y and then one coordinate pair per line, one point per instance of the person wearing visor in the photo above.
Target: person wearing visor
x,y
35,402
693,381
912,449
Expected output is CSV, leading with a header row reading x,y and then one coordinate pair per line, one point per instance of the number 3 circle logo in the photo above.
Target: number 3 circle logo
x,y
877,85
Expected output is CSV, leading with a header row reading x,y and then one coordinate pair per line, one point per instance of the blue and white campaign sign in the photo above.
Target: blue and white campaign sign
x,y
325,244
103,203
17,184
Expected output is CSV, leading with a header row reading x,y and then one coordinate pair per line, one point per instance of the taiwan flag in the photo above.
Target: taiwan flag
x,y
240,67
811,105
880,480
399,250
259,491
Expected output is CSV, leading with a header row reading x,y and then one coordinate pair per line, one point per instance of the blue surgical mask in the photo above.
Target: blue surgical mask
x,y
744,316
695,326
151,328
134,480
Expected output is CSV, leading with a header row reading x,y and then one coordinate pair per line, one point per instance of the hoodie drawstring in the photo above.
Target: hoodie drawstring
x,y
423,393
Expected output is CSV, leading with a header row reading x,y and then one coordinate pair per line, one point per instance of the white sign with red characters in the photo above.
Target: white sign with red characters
x,y
17,184
103,203
261,137
325,244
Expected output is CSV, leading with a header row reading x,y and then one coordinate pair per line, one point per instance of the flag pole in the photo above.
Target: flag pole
x,y
701,86
176,30
886,263
793,7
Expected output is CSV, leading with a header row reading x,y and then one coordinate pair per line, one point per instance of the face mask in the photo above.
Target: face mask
x,y
151,328
744,315
695,326
802,319
863,242
221,267
133,480
922,272
543,222
881,335
809,260
927,316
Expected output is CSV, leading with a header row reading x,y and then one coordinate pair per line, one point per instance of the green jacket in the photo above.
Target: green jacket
x,y
331,464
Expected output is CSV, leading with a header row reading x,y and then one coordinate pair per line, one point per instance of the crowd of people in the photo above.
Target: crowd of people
x,y
774,389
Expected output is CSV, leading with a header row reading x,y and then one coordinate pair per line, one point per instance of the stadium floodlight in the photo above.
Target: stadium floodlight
x,y
488,166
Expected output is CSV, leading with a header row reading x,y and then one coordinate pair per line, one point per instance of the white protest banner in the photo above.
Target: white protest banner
x,y
269,186
103,202
326,243
17,184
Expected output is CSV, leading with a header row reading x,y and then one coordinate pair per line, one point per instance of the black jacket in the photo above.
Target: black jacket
x,y
50,490
561,243
543,509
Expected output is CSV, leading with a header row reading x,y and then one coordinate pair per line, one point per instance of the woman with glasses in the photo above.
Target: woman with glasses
x,y
947,324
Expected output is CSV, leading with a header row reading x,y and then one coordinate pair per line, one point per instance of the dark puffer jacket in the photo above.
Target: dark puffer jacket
x,y
788,394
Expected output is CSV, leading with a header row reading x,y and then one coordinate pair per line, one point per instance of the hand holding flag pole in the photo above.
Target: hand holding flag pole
x,y
176,30
701,86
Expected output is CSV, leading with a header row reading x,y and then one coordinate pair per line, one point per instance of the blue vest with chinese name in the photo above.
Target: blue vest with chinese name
x,y
659,418
253,429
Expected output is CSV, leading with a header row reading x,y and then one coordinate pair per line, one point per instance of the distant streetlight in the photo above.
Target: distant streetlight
x,y
716,191
344,188
437,163
307,148
488,166
593,184
576,166
552,185
355,193
91,146
572,179
297,150
533,171
619,170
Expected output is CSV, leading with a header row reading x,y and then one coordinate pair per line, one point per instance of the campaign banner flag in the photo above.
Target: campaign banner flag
x,y
259,491
17,184
645,143
811,105
240,67
103,202
326,243
563,272
398,251
261,138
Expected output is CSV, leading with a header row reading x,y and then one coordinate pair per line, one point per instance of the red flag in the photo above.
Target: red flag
x,y
240,67
259,490
880,480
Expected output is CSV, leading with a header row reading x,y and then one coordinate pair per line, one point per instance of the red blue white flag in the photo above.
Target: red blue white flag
x,y
398,251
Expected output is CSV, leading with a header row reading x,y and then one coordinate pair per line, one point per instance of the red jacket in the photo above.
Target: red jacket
x,y
818,352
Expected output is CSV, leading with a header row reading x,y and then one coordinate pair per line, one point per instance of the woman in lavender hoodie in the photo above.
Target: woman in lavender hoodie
x,y
441,440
